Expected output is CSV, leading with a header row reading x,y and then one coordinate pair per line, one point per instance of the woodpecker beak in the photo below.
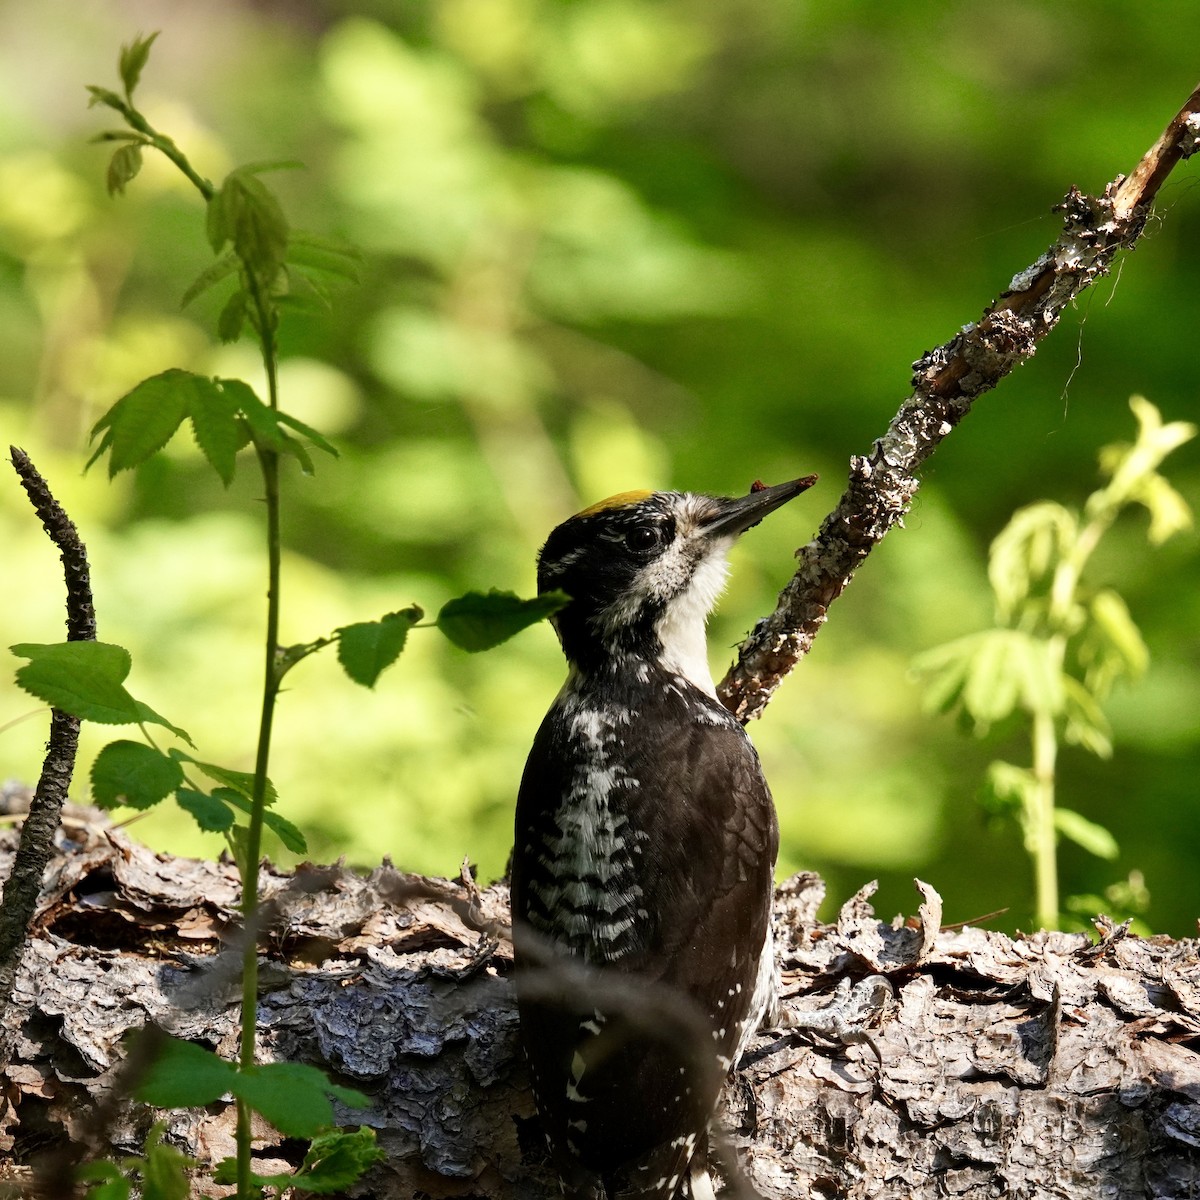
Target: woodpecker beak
x,y
734,516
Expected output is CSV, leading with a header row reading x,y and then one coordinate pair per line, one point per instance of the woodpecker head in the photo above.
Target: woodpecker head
x,y
644,569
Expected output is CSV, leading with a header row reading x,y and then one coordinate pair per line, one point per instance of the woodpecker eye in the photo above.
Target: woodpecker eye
x,y
642,538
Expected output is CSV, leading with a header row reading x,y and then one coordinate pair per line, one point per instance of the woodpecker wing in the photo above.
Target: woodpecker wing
x,y
653,857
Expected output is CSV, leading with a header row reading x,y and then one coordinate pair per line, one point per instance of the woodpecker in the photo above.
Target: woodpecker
x,y
644,852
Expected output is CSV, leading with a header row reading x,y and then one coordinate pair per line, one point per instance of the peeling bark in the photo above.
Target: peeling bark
x,y
1041,1066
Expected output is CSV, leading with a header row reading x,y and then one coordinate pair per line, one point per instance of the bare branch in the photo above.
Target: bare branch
x,y
45,809
947,381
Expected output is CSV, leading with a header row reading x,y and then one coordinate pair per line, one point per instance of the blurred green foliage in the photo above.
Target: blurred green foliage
x,y
608,244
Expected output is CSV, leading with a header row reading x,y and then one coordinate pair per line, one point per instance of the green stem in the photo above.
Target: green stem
x,y
1041,838
269,463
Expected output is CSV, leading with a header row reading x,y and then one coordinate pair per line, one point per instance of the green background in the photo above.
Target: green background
x,y
608,244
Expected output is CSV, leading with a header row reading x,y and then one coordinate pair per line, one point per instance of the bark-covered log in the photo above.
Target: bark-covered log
x,y
1042,1066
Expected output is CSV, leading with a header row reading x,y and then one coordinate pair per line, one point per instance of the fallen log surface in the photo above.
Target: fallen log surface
x,y
1049,1065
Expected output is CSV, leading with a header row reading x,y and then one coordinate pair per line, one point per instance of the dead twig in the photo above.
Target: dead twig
x,y
45,809
947,381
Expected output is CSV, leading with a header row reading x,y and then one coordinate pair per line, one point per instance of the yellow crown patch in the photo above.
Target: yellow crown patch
x,y
620,500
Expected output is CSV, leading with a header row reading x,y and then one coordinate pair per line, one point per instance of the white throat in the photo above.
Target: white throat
x,y
681,628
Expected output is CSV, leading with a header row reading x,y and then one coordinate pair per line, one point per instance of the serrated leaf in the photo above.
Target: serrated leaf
x,y
368,648
211,813
317,439
286,832
164,1169
123,167
336,1160
133,60
84,679
143,420
242,782
225,266
218,433
183,1075
232,318
264,425
283,829
1093,838
133,774
478,621
245,212
294,1097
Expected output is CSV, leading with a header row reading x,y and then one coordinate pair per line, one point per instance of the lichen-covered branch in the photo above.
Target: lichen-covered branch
x,y
946,382
24,880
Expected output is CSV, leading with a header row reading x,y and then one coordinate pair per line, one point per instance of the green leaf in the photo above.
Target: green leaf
x,y
108,98
336,1160
317,439
143,420
245,212
123,167
225,266
1095,839
133,60
333,1163
264,424
314,253
133,774
232,318
477,621
211,813
1027,549
1086,725
84,679
183,1075
215,425
108,1182
165,1169
294,1097
1012,787
242,782
368,648
283,829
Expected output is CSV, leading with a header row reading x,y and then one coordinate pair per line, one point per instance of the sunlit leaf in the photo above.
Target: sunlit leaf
x,y
133,59
337,1159
143,420
1093,838
85,679
1026,550
1085,725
